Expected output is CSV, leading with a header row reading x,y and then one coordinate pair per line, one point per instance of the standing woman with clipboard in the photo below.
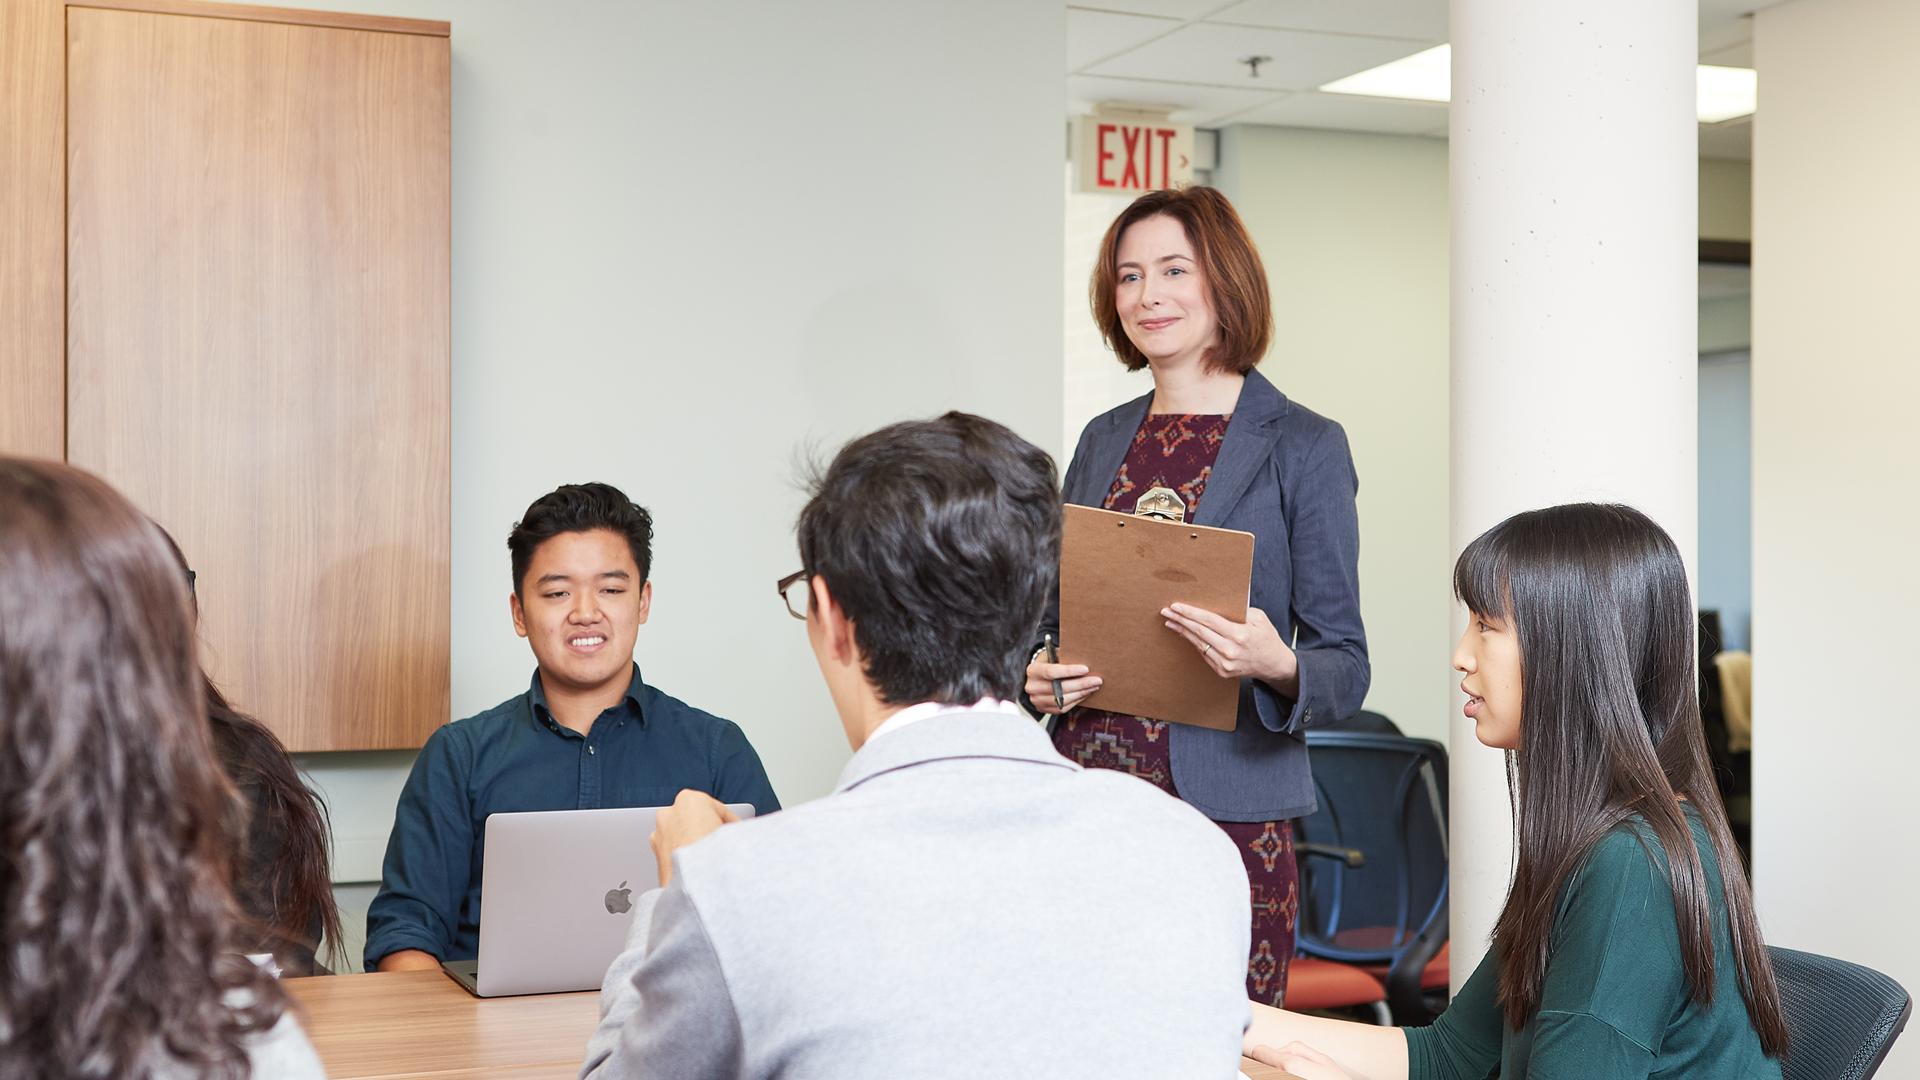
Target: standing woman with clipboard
x,y
1179,288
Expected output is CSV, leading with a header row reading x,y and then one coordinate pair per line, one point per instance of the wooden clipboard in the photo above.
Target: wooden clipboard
x,y
1116,572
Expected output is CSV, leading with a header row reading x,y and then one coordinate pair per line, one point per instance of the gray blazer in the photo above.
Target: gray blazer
x,y
965,904
1285,475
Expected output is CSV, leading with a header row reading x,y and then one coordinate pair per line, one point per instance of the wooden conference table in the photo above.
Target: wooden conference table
x,y
421,1025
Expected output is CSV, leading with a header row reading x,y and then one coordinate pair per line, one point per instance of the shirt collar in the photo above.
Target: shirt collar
x,y
977,731
537,697
913,714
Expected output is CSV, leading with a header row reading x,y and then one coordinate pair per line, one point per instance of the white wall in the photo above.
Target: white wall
x,y
1836,483
1095,380
1726,324
1726,199
1353,231
690,242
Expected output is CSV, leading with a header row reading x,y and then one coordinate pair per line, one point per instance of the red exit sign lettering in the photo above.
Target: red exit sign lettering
x,y
1122,155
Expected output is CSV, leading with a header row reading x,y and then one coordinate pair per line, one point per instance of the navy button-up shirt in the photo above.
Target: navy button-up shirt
x,y
516,757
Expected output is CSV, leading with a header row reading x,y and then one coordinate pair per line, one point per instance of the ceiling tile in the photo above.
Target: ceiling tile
x,y
1172,9
1096,35
1345,112
1715,11
1210,53
1201,105
1418,20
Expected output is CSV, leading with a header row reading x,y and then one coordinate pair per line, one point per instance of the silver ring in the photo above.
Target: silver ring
x,y
1207,648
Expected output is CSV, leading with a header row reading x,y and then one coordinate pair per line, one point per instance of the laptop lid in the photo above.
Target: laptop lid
x,y
556,896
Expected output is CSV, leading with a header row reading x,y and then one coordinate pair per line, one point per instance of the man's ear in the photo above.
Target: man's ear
x,y
646,599
836,630
519,615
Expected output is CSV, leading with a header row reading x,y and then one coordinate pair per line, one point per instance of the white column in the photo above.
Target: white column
x,y
1836,485
1574,292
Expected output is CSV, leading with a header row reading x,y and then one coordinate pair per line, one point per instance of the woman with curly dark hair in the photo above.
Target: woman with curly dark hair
x,y
281,873
120,940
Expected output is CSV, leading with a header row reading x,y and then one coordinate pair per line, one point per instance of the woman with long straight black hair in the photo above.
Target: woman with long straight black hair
x,y
1628,946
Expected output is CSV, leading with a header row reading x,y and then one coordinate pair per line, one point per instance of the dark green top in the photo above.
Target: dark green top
x,y
1615,1002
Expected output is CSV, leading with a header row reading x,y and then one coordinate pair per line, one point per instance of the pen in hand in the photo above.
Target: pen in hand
x,y
1053,657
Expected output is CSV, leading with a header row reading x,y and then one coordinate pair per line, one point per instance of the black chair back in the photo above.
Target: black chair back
x,y
1366,723
1841,1018
1385,797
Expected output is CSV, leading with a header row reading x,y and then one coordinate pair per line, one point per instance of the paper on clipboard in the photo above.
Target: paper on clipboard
x,y
1116,572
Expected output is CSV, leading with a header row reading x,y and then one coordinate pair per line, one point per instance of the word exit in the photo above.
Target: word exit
x,y
1122,156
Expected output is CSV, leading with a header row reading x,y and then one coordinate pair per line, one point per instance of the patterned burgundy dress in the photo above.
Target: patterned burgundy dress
x,y
1177,451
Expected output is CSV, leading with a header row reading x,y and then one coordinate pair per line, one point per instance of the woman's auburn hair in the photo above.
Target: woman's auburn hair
x,y
1230,268
121,942
1609,730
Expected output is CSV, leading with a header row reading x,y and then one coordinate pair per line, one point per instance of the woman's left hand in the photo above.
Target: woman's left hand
x,y
1248,650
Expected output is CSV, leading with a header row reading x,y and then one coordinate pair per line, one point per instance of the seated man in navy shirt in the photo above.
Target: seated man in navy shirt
x,y
587,734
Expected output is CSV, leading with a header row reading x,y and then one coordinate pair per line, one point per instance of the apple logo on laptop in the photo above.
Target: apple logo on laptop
x,y
617,902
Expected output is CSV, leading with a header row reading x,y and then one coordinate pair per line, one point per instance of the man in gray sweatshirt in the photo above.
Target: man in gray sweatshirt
x,y
966,902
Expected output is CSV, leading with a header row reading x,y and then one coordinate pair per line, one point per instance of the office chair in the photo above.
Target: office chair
x,y
1367,723
1316,985
1373,862
1841,1018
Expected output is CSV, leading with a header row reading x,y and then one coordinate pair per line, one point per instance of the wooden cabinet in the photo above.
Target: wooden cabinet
x,y
256,320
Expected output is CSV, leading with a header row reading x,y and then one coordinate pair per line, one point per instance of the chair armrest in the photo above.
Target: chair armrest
x,y
1404,996
1353,857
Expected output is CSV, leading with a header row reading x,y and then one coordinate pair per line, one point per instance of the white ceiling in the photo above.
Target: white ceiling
x,y
1187,53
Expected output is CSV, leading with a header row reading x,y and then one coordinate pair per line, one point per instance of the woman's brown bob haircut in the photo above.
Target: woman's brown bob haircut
x,y
1229,265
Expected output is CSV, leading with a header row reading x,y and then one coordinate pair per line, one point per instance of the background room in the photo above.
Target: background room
x,y
694,243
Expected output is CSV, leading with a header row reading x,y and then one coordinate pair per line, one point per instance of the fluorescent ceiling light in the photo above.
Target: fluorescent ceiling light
x,y
1726,92
1722,93
1424,76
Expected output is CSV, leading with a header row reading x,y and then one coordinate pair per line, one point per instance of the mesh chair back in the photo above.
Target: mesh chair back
x,y
1387,797
1841,1017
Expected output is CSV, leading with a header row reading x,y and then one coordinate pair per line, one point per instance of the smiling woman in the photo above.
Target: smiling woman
x,y
1179,288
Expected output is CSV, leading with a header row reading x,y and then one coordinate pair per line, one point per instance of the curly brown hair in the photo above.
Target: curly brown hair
x,y
120,940
1230,266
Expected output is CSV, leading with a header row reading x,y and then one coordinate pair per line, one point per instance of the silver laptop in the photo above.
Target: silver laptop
x,y
556,898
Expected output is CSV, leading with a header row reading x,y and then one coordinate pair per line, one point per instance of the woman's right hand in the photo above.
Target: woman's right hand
x,y
1075,683
1301,1060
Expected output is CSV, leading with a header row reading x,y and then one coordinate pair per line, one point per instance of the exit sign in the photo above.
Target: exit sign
x,y
1131,155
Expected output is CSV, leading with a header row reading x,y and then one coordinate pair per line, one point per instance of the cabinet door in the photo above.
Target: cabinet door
x,y
258,345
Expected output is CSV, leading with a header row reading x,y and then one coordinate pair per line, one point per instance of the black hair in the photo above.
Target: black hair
x,y
580,508
282,873
940,539
1609,730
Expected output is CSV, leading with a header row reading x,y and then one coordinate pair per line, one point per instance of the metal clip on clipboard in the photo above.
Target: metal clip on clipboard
x,y
1162,503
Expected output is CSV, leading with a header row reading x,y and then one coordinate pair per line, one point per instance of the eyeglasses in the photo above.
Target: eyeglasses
x,y
797,593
